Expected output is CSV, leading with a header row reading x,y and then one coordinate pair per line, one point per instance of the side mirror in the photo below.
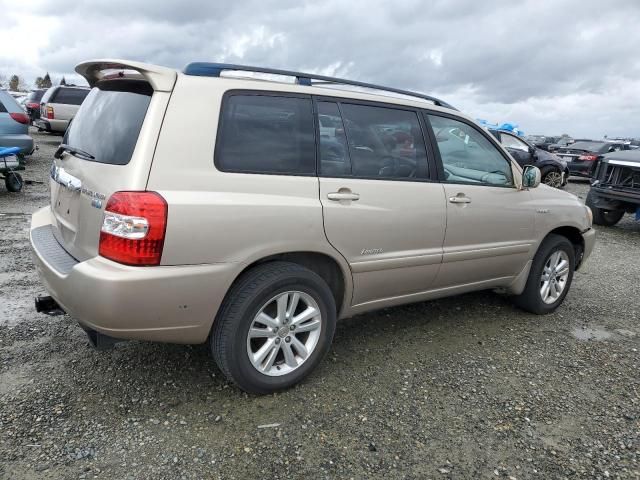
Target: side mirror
x,y
532,150
531,176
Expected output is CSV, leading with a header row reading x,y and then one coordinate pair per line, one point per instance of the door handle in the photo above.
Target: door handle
x,y
337,196
460,198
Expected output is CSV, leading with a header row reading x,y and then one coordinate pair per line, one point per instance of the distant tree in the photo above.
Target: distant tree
x,y
63,81
3,81
38,82
22,85
14,83
46,81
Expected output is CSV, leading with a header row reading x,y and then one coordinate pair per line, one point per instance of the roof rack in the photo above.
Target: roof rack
x,y
205,69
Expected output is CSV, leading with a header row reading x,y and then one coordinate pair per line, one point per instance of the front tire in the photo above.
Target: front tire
x,y
274,327
607,218
550,276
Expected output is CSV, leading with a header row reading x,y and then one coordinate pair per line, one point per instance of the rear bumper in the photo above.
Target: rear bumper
x,y
24,141
174,304
51,125
589,238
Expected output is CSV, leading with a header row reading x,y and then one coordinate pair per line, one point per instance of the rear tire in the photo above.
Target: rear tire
x,y
607,218
256,295
13,181
546,265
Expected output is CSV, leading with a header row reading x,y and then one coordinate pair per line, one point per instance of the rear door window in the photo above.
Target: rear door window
x,y
108,123
368,141
266,134
70,96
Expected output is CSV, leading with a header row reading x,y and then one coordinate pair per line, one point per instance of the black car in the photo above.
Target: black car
x,y
554,171
561,143
544,142
582,157
32,104
615,189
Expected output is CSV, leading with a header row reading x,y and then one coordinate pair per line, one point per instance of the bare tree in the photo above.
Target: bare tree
x,y
14,82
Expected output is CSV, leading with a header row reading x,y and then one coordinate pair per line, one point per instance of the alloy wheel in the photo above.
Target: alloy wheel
x,y
284,333
553,179
554,276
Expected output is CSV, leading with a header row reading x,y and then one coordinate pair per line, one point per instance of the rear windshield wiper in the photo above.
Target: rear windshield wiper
x,y
74,151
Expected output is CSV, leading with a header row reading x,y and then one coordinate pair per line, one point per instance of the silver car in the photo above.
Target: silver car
x,y
255,223
14,124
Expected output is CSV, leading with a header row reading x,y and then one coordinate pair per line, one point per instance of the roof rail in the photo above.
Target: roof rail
x,y
205,69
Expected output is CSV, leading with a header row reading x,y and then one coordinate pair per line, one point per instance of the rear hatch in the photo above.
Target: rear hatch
x,y
108,147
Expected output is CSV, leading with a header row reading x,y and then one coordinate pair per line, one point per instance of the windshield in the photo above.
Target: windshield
x,y
109,121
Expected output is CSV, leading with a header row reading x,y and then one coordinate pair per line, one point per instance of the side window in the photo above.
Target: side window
x,y
266,134
334,153
512,142
384,143
467,155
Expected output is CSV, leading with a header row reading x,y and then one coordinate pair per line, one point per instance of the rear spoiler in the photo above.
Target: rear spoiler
x,y
161,78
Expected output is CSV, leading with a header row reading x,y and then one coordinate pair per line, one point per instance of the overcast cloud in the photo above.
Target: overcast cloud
x,y
552,67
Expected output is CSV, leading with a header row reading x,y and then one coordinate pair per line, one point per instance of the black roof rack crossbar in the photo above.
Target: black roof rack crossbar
x,y
205,69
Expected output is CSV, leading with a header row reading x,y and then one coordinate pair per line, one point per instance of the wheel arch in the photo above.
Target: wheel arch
x,y
574,236
331,270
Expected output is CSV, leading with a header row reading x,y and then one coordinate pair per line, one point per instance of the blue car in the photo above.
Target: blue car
x,y
14,125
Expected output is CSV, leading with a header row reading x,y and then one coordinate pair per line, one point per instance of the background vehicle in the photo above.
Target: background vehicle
x,y
553,170
561,143
543,141
582,157
615,188
58,106
14,125
260,238
32,104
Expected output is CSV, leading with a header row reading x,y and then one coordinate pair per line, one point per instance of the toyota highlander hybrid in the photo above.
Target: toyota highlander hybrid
x,y
256,223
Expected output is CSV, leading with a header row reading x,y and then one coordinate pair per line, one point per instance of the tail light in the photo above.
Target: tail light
x,y
588,158
50,115
20,117
33,105
133,228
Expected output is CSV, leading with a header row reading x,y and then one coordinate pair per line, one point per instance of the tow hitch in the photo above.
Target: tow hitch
x,y
48,306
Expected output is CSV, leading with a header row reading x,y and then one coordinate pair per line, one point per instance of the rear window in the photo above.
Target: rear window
x,y
266,134
35,96
109,121
2,107
70,96
589,146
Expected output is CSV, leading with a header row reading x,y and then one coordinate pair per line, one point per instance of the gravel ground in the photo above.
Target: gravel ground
x,y
466,387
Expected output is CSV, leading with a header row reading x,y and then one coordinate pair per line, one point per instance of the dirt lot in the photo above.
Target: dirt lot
x,y
467,387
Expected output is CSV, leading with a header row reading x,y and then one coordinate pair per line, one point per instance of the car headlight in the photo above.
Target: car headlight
x,y
589,216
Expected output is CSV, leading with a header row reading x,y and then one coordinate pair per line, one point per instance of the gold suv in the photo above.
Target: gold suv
x,y
252,208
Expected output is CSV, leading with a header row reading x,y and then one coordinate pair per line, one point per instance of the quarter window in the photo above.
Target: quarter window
x,y
266,134
467,155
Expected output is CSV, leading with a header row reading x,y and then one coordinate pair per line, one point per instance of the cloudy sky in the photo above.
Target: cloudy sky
x,y
567,66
